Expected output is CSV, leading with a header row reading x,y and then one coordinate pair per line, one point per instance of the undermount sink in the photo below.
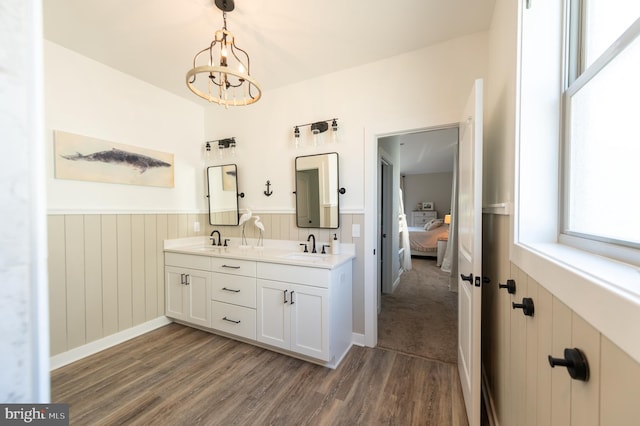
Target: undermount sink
x,y
309,257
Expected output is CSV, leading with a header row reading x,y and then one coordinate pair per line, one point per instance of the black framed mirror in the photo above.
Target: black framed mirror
x,y
317,198
223,194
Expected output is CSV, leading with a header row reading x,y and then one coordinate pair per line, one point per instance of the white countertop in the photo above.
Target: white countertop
x,y
273,251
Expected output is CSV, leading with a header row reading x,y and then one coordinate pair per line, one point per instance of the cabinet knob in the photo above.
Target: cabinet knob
x,y
510,286
576,363
526,306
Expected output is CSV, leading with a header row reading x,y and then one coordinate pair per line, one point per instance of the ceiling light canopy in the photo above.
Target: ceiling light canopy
x,y
225,69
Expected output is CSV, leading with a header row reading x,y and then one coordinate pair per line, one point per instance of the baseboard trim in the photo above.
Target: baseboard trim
x,y
83,351
487,398
358,339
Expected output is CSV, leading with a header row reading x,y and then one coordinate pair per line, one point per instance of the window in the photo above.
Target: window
x,y
602,124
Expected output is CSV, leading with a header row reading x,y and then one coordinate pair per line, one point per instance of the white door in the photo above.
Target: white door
x,y
310,321
274,315
470,252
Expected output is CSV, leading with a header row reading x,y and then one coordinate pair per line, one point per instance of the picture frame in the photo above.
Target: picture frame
x,y
428,205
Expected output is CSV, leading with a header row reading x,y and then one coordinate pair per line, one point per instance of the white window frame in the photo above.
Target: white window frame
x,y
576,79
603,291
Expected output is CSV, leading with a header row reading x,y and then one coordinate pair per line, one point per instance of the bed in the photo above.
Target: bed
x,y
425,243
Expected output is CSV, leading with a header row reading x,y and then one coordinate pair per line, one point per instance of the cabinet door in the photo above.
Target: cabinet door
x,y
198,296
273,322
174,304
310,321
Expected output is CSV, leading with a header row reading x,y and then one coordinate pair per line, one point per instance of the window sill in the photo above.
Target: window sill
x,y
605,293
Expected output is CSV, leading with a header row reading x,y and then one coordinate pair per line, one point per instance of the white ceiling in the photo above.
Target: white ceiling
x,y
426,152
288,40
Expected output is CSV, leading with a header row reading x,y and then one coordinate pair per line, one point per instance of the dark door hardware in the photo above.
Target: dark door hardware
x,y
230,320
576,363
231,290
468,278
230,266
526,306
510,286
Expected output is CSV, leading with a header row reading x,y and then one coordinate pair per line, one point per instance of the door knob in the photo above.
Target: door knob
x,y
468,278
510,286
526,306
576,363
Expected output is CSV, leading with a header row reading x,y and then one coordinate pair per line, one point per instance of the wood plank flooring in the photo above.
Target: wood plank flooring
x,y
178,375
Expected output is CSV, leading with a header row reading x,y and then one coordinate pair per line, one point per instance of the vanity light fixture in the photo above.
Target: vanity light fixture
x,y
223,144
227,79
316,129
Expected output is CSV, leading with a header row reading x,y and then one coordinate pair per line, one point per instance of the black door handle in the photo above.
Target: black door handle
x,y
468,278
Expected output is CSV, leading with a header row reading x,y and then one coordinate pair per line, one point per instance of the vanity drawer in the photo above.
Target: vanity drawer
x,y
187,261
233,266
232,319
234,289
317,277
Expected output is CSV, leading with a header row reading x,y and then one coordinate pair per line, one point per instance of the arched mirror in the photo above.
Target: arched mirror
x,y
223,194
317,203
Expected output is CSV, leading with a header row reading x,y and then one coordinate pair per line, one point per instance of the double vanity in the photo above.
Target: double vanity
x,y
274,296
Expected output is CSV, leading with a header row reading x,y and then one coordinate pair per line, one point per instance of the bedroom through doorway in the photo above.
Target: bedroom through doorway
x,y
417,305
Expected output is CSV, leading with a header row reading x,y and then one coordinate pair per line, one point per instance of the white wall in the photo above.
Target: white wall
x,y
425,86
88,98
500,106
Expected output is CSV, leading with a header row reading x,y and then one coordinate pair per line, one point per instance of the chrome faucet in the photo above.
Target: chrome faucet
x,y
213,240
313,247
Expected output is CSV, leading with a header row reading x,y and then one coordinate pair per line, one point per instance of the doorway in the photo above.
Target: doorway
x,y
417,311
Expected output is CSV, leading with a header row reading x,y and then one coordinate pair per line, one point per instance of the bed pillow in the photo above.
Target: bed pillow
x,y
433,223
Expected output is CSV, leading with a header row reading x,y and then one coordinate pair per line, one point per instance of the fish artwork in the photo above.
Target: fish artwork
x,y
118,156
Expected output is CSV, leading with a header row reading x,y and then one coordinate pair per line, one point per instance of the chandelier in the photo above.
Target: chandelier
x,y
223,69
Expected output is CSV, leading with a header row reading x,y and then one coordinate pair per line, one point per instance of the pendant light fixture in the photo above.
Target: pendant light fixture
x,y
221,72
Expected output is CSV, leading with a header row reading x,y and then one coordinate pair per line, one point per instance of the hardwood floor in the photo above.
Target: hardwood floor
x,y
178,375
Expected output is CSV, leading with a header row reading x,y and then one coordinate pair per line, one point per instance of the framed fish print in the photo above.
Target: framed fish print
x,y
79,157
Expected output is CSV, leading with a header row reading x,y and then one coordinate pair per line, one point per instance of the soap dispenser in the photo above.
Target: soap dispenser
x,y
335,245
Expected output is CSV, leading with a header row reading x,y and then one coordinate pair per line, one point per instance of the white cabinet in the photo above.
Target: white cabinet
x,y
294,317
420,217
305,310
302,310
233,297
187,291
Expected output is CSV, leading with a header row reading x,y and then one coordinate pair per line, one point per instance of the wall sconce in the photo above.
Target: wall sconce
x,y
222,144
316,129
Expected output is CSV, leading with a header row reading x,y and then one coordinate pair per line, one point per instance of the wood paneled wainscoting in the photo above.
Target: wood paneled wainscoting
x,y
524,389
106,271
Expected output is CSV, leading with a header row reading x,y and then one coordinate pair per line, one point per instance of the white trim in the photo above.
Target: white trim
x,y
96,346
117,211
173,211
358,339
